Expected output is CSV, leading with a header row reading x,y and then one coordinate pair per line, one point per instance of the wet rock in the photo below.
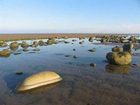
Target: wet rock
x,y
24,45
128,47
74,57
51,41
119,58
66,42
38,80
3,44
91,39
93,65
74,49
19,73
67,55
81,42
117,49
5,53
41,43
35,44
14,46
92,50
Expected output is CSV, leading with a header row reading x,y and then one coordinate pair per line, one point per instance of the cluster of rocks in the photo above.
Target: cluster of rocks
x,y
120,56
119,39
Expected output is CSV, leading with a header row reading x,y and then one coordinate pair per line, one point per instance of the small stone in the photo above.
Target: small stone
x,y
93,65
74,49
19,73
74,57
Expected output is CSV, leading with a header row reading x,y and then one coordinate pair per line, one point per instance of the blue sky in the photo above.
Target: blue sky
x,y
70,16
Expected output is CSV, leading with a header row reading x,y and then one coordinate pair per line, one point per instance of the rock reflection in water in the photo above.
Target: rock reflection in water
x,y
117,69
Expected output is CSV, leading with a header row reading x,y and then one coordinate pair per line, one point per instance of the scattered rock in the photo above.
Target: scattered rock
x,y
5,53
74,49
41,43
3,44
14,46
92,50
25,49
24,45
93,65
35,44
19,73
51,41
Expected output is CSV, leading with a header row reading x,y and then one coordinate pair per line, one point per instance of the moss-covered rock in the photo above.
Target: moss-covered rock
x,y
5,53
119,58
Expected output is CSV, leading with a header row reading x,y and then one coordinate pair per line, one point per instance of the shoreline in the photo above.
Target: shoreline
x,y
17,36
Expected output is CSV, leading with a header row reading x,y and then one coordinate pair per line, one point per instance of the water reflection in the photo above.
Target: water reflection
x,y
117,69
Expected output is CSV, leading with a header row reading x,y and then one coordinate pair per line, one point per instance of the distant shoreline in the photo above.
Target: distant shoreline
x,y
18,36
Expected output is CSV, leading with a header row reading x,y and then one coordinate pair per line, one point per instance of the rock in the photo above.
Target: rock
x,y
128,47
81,42
91,39
93,65
14,46
38,80
51,41
119,58
24,45
35,44
74,49
66,42
41,43
5,53
67,55
92,50
117,69
117,49
74,57
19,73
3,44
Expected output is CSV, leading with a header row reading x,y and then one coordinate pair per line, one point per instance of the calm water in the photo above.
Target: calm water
x,y
82,85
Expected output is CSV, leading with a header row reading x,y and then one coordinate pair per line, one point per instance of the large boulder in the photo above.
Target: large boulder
x,y
41,43
119,58
38,80
5,53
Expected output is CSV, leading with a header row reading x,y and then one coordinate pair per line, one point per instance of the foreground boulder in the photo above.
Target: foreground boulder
x,y
5,53
38,80
119,58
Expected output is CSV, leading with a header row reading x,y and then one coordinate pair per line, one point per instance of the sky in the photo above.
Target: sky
x,y
69,16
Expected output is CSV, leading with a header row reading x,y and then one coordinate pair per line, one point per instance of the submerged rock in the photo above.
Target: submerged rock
x,y
119,58
38,80
92,50
19,73
5,53
93,65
